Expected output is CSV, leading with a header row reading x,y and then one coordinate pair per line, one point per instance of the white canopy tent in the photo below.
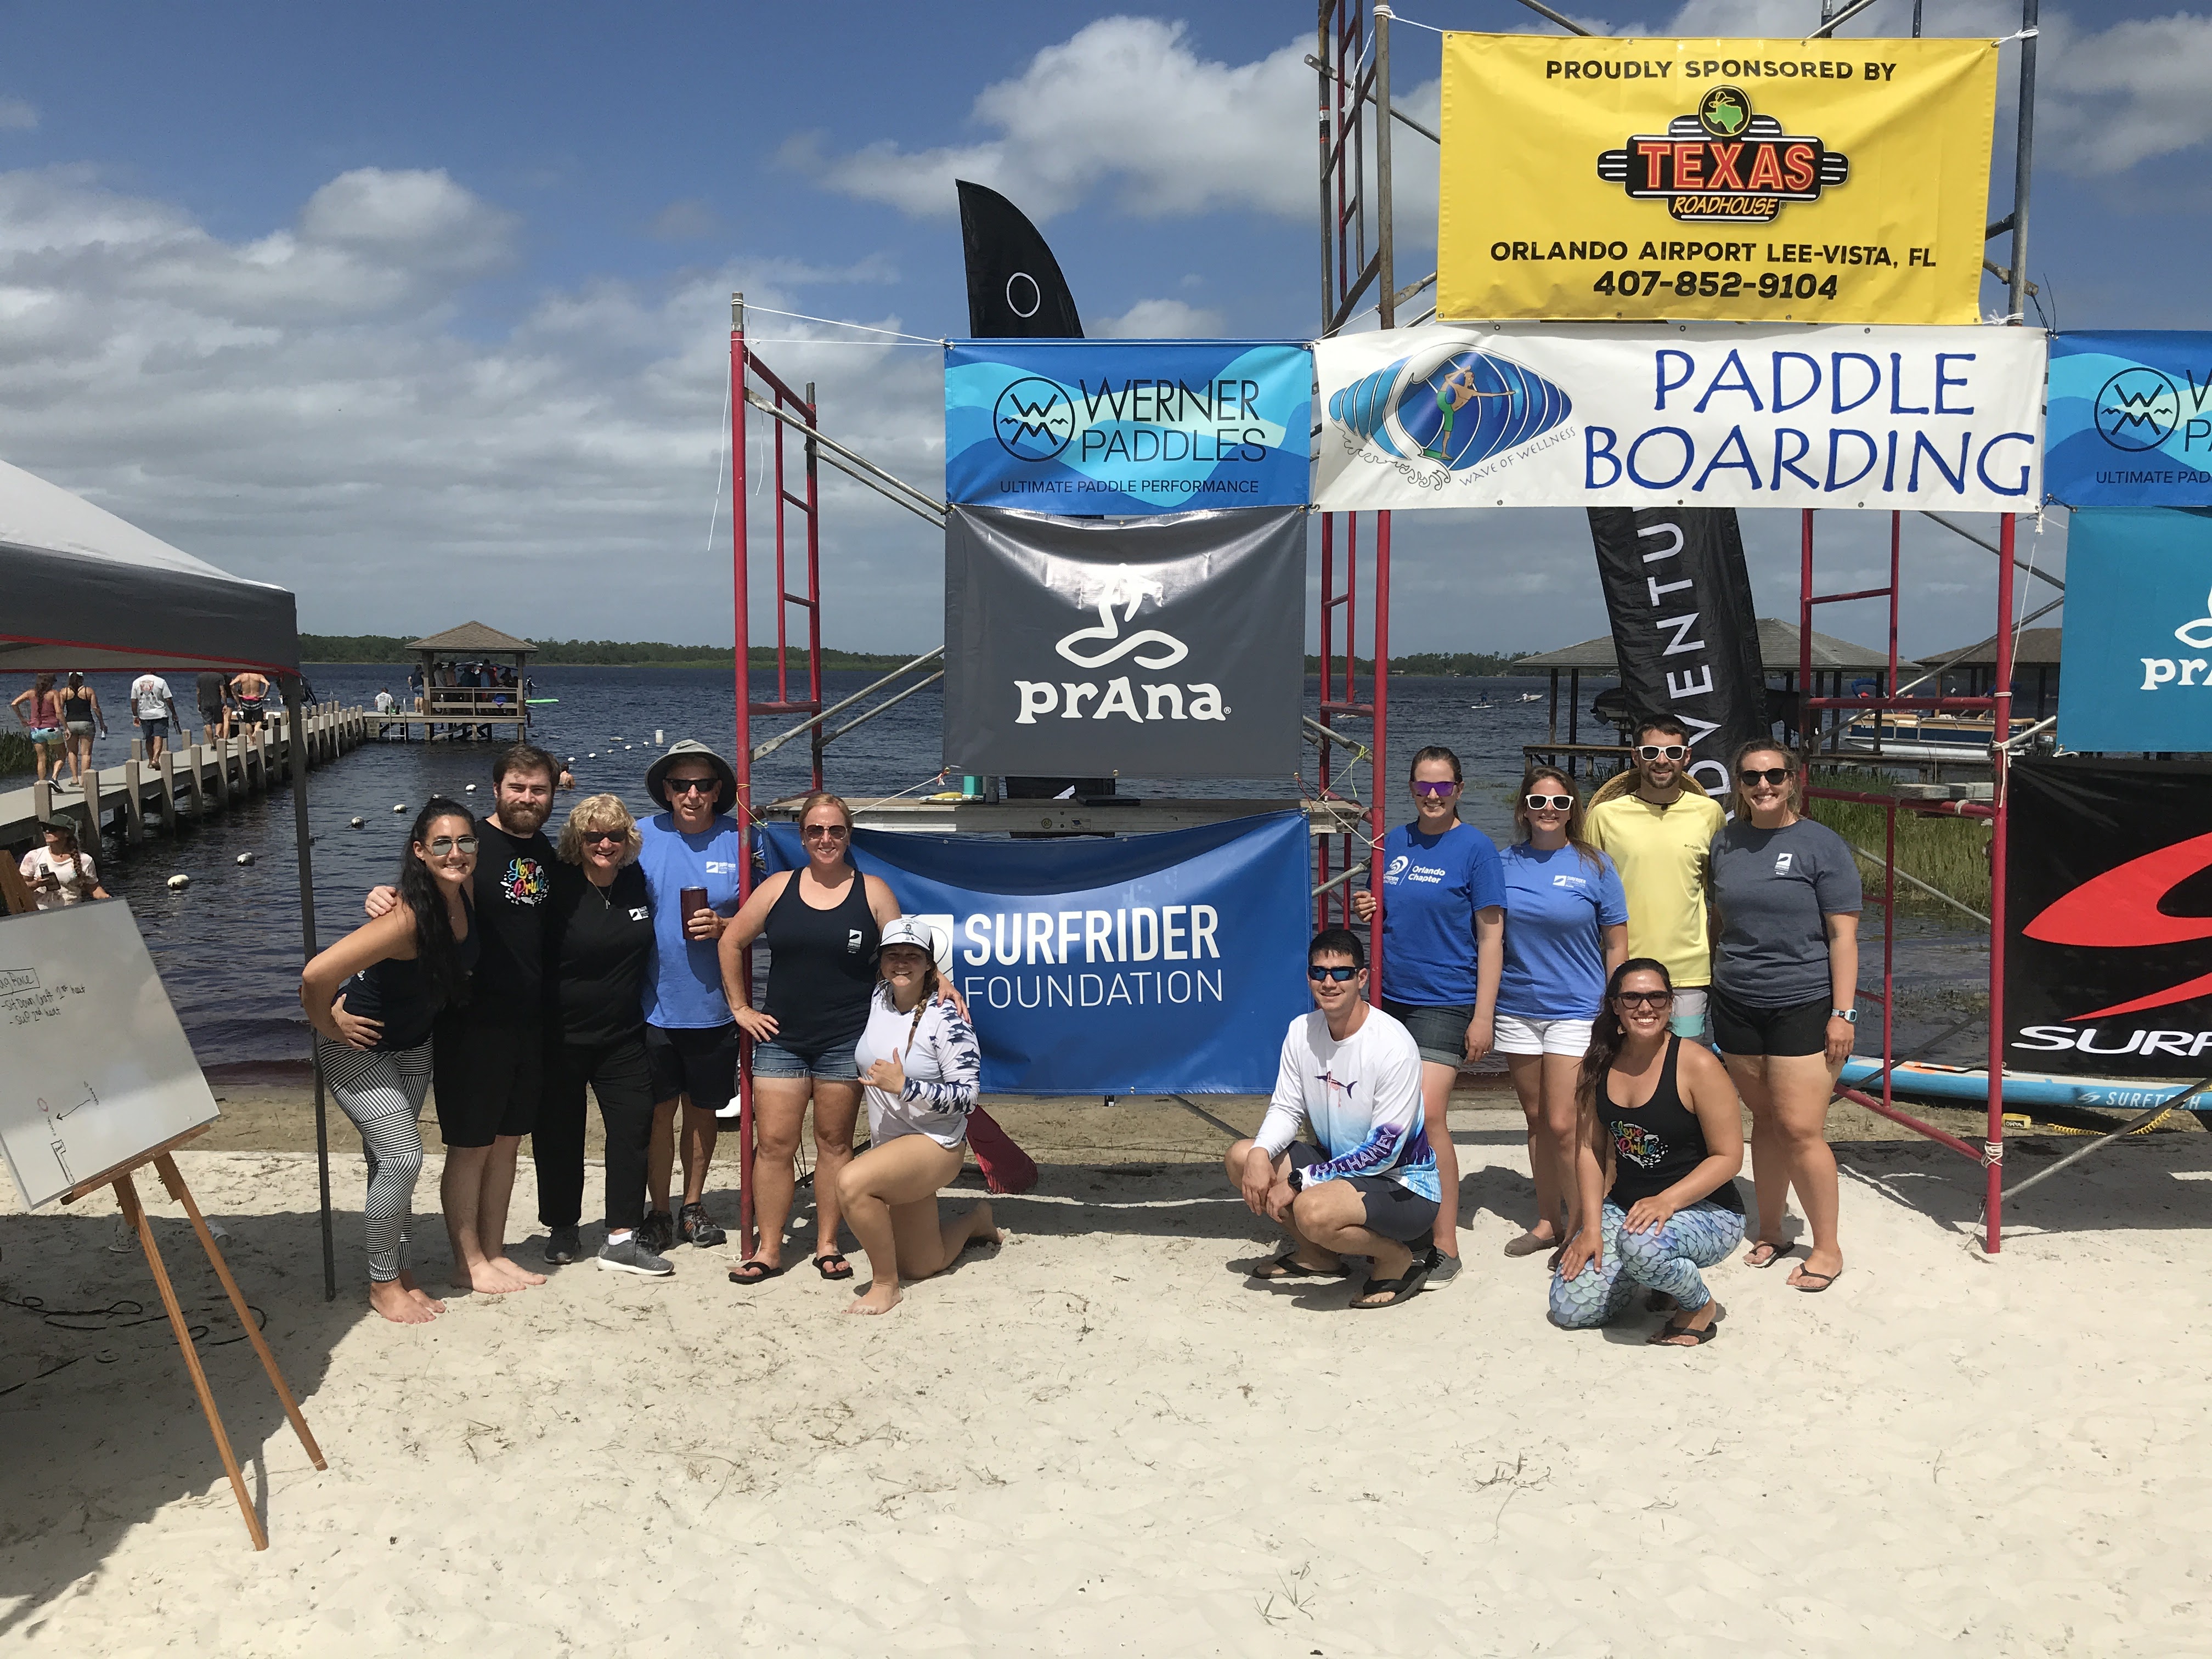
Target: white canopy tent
x,y
86,590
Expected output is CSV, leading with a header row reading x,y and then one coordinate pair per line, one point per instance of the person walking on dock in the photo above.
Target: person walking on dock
x,y
249,695
81,715
154,711
213,700
692,853
40,709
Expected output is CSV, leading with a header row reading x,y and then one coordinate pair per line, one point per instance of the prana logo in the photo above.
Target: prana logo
x,y
2186,670
1724,163
1128,590
1097,648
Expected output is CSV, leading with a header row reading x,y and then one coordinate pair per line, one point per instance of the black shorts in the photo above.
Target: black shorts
x,y
1739,1029
1439,1032
487,1078
1392,1210
698,1061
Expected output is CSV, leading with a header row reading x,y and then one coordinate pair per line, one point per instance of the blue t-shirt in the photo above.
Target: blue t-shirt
x,y
1432,885
1555,905
683,979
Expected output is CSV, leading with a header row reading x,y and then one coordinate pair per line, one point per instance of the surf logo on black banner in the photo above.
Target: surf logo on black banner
x,y
1724,164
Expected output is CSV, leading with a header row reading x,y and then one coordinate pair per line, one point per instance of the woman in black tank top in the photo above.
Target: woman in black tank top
x,y
823,922
1659,1143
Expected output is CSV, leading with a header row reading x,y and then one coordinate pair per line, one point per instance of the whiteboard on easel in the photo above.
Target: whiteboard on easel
x,y
97,1069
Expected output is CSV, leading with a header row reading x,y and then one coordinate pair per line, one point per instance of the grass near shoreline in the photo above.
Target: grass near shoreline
x,y
1947,852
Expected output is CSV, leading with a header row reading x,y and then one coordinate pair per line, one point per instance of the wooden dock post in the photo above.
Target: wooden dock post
x,y
42,801
223,772
169,792
134,804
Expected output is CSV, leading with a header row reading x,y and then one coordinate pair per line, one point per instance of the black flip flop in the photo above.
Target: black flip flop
x,y
842,1270
1403,1288
1288,1266
1776,1253
1826,1279
1663,1337
760,1273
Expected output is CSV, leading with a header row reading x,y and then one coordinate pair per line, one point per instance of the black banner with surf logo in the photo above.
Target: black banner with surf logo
x,y
2108,898
1168,648
1679,597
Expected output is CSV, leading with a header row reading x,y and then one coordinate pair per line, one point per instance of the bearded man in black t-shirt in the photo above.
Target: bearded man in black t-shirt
x,y
488,1057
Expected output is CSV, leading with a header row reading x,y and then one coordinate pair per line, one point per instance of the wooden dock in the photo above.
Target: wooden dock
x,y
198,781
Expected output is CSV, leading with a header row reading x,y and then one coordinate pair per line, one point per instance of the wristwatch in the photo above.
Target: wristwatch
x,y
1295,1180
1849,1016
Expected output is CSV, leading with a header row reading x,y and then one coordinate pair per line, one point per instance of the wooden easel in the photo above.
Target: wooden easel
x,y
133,1213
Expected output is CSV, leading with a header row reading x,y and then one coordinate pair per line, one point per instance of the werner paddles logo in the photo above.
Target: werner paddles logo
x,y
1033,419
1726,163
2138,408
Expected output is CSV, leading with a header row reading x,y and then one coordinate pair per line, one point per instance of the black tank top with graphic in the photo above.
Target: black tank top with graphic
x,y
1656,1143
821,966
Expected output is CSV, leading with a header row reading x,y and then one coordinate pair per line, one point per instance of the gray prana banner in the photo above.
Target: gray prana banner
x,y
1168,647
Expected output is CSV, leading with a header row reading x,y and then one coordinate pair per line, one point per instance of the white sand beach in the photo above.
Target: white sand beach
x,y
1103,1439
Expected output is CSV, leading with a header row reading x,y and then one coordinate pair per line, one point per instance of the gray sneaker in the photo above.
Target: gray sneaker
x,y
631,1256
1443,1269
565,1245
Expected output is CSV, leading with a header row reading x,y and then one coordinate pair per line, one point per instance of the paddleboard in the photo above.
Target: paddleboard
x,y
1950,1083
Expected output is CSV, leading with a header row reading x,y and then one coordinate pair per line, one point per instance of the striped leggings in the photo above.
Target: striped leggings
x,y
382,1091
1666,1258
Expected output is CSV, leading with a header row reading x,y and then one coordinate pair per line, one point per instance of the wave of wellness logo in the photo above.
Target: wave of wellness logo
x,y
2138,408
1724,163
1447,409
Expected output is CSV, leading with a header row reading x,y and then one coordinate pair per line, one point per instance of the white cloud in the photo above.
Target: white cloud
x,y
300,408
686,221
2130,92
1160,319
1124,102
17,115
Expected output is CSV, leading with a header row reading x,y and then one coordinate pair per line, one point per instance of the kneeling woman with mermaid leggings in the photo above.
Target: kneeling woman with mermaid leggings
x,y
1660,1132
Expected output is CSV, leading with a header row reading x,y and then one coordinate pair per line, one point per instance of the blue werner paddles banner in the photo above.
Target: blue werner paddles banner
x,y
1127,426
2137,646
1143,964
2129,420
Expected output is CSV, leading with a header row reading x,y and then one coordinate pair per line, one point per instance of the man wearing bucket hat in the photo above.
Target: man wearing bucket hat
x,y
692,855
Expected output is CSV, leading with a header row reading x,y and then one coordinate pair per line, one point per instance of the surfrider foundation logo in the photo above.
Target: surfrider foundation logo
x,y
1033,419
1726,163
2138,408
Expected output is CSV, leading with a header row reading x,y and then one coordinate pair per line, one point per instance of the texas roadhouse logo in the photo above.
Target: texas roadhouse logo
x,y
1724,164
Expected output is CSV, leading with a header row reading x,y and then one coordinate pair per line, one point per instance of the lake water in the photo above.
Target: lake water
x,y
228,944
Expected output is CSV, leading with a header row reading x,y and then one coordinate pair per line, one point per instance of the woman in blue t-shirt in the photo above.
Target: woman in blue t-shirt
x,y
1566,929
1443,925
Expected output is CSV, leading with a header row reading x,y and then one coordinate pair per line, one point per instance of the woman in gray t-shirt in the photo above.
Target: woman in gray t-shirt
x,y
1785,980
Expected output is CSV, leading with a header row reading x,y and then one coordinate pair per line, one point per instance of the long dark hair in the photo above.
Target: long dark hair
x,y
1606,1032
435,947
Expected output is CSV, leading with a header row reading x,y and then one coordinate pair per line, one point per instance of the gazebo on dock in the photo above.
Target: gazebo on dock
x,y
474,683
1840,668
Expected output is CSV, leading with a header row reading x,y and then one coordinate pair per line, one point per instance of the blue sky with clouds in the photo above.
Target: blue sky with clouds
x,y
421,309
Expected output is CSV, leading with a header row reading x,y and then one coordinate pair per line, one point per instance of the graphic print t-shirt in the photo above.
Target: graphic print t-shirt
x,y
514,890
1360,1100
1432,885
1556,905
1775,887
149,695
684,983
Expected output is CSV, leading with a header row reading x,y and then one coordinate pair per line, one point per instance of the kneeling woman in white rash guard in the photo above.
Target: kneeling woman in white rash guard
x,y
920,1063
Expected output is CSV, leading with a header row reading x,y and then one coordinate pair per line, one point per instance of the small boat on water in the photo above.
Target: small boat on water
x,y
1910,736
1967,1086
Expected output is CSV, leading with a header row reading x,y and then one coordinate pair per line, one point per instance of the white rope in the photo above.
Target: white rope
x,y
838,322
722,468
1411,22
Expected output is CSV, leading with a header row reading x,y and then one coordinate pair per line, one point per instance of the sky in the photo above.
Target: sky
x,y
422,310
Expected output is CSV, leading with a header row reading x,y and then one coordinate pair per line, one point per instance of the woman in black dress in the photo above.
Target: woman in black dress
x,y
823,922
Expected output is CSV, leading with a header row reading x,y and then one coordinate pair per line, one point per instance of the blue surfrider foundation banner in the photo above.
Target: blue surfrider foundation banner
x,y
1143,964
1127,426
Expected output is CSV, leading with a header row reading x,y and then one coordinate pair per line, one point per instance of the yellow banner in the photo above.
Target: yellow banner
x,y
1829,181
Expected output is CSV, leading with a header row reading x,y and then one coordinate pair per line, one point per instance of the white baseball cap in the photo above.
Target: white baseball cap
x,y
923,935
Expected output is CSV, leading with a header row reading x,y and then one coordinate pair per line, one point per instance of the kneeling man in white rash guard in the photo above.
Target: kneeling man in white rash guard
x,y
1363,1179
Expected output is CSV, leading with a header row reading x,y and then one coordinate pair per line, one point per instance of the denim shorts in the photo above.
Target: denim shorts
x,y
1440,1033
831,1064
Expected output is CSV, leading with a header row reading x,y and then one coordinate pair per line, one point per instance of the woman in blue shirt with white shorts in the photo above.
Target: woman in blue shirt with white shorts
x,y
1442,928
1566,929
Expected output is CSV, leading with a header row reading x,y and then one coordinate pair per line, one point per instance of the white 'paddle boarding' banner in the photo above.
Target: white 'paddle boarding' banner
x,y
1680,415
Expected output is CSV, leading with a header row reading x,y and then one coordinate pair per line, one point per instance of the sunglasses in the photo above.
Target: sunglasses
x,y
603,837
1774,775
1663,751
693,786
1435,791
445,844
1557,803
1644,1000
1340,974
824,832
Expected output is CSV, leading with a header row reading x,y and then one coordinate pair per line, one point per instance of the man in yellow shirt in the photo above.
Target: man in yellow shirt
x,y
1659,836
